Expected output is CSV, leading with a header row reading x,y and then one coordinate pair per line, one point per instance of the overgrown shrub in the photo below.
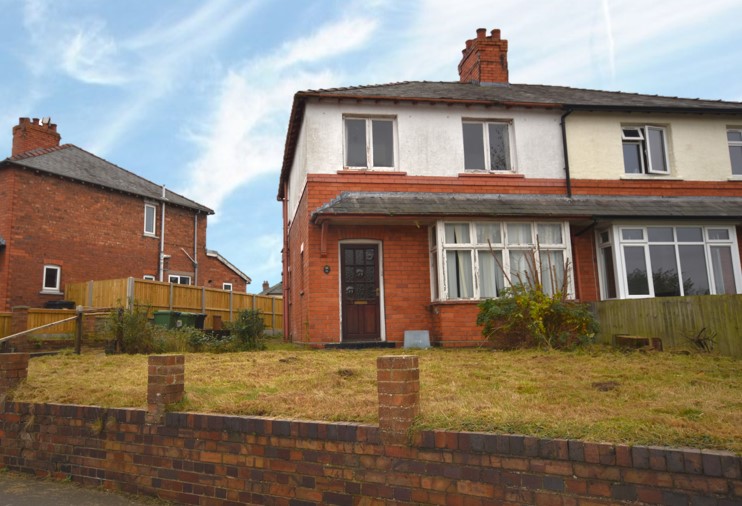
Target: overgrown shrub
x,y
525,315
247,329
130,331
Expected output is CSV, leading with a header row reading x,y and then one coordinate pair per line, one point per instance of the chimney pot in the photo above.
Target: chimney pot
x,y
495,33
481,33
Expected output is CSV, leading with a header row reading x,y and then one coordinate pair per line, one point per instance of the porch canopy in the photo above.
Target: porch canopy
x,y
383,207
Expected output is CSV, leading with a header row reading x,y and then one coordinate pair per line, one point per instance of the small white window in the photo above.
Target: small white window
x,y
150,219
644,150
148,277
734,137
227,286
487,146
52,277
179,280
369,143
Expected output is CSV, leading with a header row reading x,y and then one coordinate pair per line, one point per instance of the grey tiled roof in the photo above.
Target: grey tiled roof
x,y
498,205
508,94
77,164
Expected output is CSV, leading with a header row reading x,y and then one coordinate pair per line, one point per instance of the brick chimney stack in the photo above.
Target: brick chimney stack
x,y
485,59
266,285
31,134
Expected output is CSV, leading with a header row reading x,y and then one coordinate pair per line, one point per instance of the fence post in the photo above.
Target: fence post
x,y
78,330
89,294
398,383
273,315
13,370
165,384
130,293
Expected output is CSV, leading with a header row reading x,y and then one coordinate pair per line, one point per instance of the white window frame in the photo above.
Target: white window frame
x,y
645,147
732,144
486,143
438,257
369,142
149,277
227,287
153,209
617,243
58,279
178,279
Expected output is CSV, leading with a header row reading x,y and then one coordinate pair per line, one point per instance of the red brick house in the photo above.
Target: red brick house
x,y
69,216
405,204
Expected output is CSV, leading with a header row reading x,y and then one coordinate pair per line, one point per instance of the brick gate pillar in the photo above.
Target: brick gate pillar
x,y
398,381
13,370
18,323
165,384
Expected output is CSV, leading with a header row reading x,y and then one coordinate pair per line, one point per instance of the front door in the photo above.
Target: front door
x,y
360,292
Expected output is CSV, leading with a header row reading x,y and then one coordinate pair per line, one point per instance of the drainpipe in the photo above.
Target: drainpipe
x,y
162,237
195,249
285,254
566,154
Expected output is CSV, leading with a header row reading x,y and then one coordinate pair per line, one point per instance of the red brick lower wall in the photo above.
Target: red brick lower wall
x,y
215,460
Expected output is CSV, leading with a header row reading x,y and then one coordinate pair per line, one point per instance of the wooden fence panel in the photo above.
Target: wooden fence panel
x,y
674,319
5,324
39,317
158,296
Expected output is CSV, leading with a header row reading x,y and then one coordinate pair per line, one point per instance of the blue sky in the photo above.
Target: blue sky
x,y
196,95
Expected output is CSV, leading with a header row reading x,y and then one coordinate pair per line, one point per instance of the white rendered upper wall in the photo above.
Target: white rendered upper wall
x,y
428,140
697,147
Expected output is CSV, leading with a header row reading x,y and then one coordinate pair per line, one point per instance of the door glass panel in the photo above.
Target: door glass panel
x,y
693,267
491,278
721,261
636,270
664,271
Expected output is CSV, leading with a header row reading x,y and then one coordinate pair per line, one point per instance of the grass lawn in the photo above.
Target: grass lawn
x,y
596,395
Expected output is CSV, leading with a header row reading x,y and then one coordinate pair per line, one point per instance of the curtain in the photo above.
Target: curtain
x,y
459,274
491,277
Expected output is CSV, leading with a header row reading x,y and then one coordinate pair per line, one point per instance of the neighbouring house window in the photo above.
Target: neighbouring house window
x,y
150,219
179,280
486,145
734,137
148,277
668,260
52,278
227,286
644,150
369,142
476,260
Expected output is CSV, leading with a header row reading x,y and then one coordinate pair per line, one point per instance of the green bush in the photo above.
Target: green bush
x,y
524,315
247,329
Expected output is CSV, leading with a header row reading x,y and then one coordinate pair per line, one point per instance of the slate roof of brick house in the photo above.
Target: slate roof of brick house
x,y
499,94
76,164
588,206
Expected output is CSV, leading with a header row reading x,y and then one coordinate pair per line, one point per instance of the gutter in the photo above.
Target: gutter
x,y
563,124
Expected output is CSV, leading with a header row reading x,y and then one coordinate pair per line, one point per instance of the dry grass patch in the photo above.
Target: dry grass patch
x,y
636,398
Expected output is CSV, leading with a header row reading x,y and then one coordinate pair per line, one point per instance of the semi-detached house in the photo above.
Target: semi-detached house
x,y
69,216
405,204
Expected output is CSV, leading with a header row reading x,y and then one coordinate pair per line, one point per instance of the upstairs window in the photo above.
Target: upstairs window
x,y
52,277
150,219
734,137
369,143
227,287
487,146
644,150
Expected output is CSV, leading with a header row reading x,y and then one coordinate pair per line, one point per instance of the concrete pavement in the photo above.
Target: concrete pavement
x,y
25,490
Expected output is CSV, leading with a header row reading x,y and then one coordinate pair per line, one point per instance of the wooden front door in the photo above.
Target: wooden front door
x,y
360,292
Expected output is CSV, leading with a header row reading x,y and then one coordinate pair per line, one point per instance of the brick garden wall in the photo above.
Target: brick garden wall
x,y
219,460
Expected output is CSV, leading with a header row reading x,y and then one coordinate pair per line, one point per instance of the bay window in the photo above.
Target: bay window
x,y
668,260
477,260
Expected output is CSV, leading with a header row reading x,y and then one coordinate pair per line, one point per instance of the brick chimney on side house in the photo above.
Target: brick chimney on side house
x,y
485,59
30,134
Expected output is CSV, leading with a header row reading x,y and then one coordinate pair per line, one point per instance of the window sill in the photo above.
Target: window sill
x,y
737,179
377,172
649,177
485,173
151,236
51,292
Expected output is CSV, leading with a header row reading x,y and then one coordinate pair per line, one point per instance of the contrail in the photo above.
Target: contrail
x,y
609,37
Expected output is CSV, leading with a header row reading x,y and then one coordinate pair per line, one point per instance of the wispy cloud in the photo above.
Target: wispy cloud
x,y
243,139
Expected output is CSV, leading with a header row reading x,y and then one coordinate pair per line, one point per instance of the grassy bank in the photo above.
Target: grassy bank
x,y
598,395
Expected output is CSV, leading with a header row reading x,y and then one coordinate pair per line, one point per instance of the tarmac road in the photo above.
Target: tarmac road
x,y
24,490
